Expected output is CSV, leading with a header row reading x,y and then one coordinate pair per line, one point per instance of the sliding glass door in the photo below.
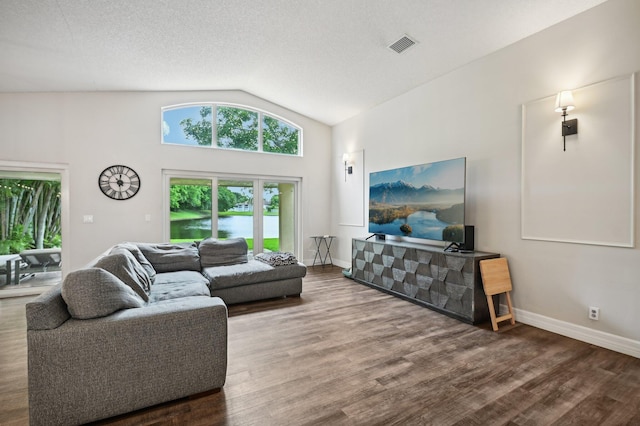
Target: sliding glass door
x,y
190,204
279,216
235,209
263,211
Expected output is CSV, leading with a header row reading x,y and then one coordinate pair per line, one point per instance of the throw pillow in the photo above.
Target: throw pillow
x,y
277,258
94,293
135,251
123,265
167,257
214,252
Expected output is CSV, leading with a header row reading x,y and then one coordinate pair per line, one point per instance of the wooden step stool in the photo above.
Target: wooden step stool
x,y
496,280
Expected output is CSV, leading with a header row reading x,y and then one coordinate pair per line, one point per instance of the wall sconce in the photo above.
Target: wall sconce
x,y
348,167
564,103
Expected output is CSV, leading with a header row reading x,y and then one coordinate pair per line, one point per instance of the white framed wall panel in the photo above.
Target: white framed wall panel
x,y
584,194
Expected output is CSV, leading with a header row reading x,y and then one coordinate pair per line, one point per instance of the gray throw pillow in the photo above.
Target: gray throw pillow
x,y
123,265
168,257
94,293
214,252
135,251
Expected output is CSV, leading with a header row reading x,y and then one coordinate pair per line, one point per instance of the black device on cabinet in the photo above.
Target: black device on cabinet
x,y
468,243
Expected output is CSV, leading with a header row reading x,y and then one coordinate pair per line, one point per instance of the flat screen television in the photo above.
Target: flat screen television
x,y
424,201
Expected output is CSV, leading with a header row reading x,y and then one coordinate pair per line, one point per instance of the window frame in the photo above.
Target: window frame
x,y
214,128
258,187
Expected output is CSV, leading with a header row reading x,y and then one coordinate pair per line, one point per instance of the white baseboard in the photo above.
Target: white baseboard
x,y
578,332
336,262
341,263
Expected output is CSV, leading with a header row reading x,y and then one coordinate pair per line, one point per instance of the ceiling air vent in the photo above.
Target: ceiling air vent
x,y
402,44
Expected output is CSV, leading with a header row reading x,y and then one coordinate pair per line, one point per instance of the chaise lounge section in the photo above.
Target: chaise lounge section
x,y
227,270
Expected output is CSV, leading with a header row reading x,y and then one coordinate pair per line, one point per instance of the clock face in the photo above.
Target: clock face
x,y
119,182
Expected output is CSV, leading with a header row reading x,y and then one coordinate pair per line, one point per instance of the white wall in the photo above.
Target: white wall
x,y
86,132
475,111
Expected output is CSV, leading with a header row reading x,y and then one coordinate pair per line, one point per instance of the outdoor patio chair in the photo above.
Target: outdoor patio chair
x,y
9,274
42,259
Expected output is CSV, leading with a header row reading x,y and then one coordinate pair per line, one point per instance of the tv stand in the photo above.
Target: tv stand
x,y
447,282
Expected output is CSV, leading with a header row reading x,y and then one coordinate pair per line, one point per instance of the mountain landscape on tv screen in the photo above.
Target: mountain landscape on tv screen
x,y
401,192
423,201
429,209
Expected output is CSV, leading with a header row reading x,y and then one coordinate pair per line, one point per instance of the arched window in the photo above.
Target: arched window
x,y
235,127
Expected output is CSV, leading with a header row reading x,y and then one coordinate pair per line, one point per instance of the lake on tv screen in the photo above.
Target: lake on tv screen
x,y
424,224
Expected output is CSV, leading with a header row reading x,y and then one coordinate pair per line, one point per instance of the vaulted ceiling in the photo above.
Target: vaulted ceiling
x,y
327,59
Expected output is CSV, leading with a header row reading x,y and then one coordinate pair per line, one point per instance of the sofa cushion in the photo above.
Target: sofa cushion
x,y
123,265
168,257
135,251
172,285
214,252
94,292
250,273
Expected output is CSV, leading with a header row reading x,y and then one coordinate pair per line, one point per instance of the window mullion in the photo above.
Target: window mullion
x,y
258,219
214,125
214,207
260,132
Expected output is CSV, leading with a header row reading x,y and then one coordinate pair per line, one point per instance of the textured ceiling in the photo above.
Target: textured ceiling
x,y
327,59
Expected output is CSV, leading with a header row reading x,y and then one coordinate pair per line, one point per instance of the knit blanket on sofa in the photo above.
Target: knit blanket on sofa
x,y
277,258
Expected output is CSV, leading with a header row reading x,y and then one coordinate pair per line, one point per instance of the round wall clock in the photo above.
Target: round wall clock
x,y
119,182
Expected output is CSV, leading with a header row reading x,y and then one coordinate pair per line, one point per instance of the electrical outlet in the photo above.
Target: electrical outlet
x,y
594,313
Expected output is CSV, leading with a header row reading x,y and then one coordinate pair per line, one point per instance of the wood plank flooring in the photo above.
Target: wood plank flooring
x,y
346,354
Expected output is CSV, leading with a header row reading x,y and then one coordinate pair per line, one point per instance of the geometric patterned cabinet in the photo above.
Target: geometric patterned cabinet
x,y
449,283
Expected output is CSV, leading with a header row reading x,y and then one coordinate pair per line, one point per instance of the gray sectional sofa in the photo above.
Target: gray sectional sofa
x,y
143,324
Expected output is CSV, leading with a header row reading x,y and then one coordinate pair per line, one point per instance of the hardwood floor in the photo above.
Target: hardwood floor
x,y
345,354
